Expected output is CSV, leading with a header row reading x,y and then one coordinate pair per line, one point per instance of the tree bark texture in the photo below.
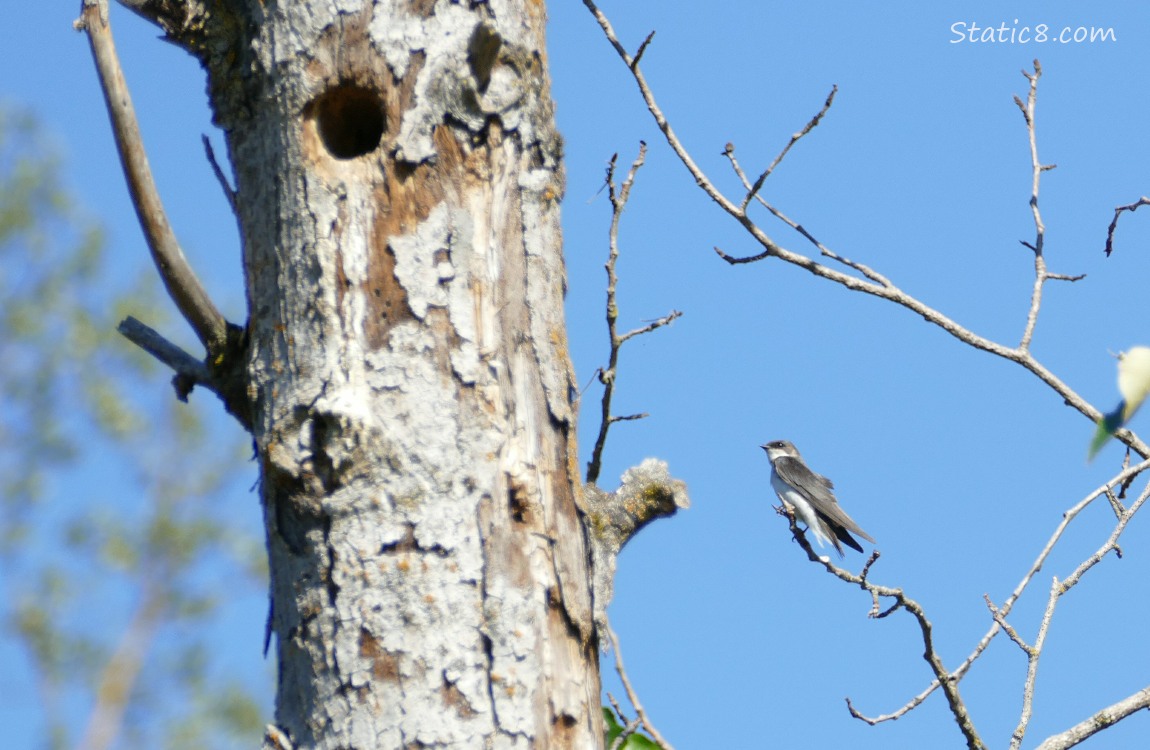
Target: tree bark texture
x,y
398,179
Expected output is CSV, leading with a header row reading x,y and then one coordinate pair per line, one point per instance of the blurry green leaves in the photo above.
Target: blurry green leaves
x,y
113,496
229,710
634,741
48,255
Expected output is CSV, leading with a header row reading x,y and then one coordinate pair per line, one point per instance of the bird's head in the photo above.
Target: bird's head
x,y
779,448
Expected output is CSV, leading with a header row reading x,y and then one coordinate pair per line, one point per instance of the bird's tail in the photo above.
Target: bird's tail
x,y
1107,426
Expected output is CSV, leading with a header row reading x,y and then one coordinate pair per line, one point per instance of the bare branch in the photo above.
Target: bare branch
x,y
631,696
1057,590
1041,275
814,122
629,729
1106,717
1143,201
190,371
229,193
227,382
1000,618
866,271
1033,654
874,284
617,708
1039,226
121,672
633,64
736,261
665,320
902,601
643,48
607,375
181,282
629,417
1123,477
877,285
1115,504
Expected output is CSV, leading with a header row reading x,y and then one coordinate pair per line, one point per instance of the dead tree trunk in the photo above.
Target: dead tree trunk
x,y
404,368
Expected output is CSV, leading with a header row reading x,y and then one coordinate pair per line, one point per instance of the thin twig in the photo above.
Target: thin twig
x,y
1143,201
181,282
1115,504
643,48
866,271
607,375
811,125
902,601
229,192
872,285
1057,590
628,729
665,320
1041,275
1039,226
1000,618
877,285
1033,655
1067,517
618,709
631,695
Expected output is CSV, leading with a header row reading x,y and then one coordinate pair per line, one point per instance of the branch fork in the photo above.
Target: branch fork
x,y
875,284
222,367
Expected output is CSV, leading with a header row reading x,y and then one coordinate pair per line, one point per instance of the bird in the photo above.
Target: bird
x,y
811,497
1134,386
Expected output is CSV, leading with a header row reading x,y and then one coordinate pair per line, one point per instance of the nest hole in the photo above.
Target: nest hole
x,y
349,120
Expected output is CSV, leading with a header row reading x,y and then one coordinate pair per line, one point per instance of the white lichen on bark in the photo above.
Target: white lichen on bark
x,y
646,493
404,368
410,375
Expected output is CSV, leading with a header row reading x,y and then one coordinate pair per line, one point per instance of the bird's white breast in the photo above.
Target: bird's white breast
x,y
803,509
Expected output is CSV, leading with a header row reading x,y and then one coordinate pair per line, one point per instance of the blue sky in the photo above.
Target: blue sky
x,y
960,465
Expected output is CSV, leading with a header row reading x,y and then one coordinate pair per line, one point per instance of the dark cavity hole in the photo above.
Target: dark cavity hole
x,y
349,120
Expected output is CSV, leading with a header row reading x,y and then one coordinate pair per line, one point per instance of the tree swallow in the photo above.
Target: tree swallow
x,y
810,497
1134,385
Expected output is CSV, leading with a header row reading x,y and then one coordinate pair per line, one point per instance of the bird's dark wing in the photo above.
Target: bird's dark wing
x,y
817,489
849,540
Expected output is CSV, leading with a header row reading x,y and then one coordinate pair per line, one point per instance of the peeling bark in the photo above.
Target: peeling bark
x,y
398,176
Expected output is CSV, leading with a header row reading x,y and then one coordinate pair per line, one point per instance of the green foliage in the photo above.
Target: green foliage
x,y
634,741
230,710
112,494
